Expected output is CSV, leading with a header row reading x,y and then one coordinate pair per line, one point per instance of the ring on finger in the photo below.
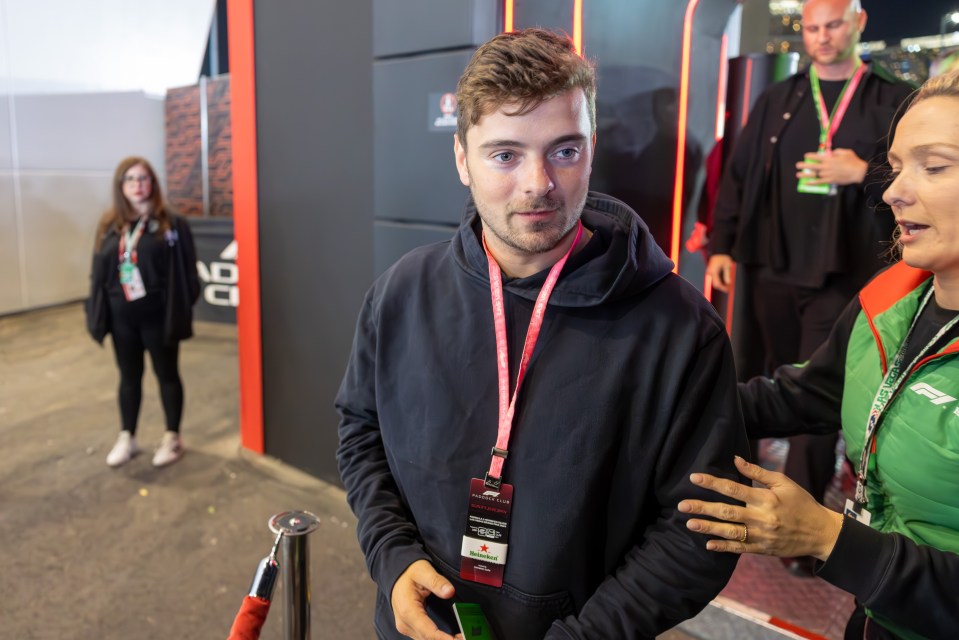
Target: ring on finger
x,y
745,535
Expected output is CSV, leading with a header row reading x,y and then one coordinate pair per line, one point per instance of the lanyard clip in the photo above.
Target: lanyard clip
x,y
501,453
492,482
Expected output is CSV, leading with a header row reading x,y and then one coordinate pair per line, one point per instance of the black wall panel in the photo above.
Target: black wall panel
x,y
550,14
403,27
638,50
416,177
315,157
391,240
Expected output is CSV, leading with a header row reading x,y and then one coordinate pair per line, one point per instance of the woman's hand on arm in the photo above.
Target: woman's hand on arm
x,y
780,519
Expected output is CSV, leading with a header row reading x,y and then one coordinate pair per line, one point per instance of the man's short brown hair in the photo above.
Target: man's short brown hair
x,y
524,67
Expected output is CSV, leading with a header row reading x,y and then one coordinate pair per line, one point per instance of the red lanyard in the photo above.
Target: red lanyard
x,y
828,125
507,406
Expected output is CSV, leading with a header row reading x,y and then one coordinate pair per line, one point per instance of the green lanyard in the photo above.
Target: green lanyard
x,y
829,123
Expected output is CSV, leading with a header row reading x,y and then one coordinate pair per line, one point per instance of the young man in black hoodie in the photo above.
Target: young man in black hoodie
x,y
551,329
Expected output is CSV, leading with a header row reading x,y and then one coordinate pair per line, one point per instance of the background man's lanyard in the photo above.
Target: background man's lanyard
x,y
507,406
129,240
891,383
828,124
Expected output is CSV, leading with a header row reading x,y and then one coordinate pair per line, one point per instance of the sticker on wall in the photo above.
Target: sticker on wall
x,y
442,112
219,279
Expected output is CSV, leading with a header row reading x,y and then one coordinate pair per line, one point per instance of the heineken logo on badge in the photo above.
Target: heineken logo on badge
x,y
484,556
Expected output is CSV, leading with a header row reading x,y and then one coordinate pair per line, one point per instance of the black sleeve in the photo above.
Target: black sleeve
x,y
95,306
908,584
670,576
729,201
387,535
803,398
189,259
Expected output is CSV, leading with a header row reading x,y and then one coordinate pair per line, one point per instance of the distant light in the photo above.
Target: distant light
x,y
954,17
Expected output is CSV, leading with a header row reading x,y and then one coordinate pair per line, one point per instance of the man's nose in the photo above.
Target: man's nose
x,y
537,179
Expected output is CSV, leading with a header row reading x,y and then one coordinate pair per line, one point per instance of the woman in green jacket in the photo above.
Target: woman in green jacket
x,y
888,377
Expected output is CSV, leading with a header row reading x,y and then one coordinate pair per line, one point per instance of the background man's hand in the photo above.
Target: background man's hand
x,y
720,269
410,591
839,166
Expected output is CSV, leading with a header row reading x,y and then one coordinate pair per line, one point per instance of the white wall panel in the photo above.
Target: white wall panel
x,y
6,149
11,297
67,147
58,233
88,132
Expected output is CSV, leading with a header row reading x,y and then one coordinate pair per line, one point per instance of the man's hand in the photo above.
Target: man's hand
x,y
410,591
839,166
721,269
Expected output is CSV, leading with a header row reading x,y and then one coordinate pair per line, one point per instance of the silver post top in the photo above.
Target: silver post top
x,y
294,523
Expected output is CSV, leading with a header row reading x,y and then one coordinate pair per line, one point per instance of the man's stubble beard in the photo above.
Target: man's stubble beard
x,y
532,241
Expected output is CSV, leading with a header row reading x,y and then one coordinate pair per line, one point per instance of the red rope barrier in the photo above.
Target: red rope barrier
x,y
249,619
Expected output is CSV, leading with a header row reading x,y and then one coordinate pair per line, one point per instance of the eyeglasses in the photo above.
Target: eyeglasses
x,y
139,179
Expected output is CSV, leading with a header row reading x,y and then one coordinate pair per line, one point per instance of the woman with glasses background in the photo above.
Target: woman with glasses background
x,y
142,288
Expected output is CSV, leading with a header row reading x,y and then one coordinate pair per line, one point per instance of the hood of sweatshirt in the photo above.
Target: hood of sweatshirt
x,y
621,259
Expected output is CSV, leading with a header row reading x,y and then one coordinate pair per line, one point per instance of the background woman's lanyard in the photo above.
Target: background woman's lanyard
x,y
130,279
891,383
129,240
828,124
507,406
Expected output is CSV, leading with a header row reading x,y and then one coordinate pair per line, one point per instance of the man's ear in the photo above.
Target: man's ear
x,y
459,152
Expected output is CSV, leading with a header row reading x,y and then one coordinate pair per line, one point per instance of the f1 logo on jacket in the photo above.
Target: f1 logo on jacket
x,y
935,396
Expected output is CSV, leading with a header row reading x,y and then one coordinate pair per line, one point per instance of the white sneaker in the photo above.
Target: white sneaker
x,y
124,449
169,451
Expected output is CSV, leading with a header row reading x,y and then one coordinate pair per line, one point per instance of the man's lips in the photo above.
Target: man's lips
x,y
536,213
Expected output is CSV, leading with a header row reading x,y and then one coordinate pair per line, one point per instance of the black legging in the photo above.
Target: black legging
x,y
137,327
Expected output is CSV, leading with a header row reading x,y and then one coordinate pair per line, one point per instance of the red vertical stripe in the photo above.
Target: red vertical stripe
x,y
681,134
246,220
578,26
507,16
721,89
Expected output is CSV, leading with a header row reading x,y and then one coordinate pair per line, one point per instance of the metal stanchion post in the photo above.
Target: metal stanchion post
x,y
295,570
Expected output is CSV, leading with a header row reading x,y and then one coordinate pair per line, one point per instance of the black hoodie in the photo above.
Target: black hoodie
x,y
630,389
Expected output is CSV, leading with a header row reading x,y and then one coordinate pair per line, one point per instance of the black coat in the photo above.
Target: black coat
x,y
745,224
183,287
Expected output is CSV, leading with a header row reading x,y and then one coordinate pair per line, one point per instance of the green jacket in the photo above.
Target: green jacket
x,y
905,567
913,484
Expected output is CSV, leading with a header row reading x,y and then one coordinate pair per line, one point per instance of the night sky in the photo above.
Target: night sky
x,y
892,20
